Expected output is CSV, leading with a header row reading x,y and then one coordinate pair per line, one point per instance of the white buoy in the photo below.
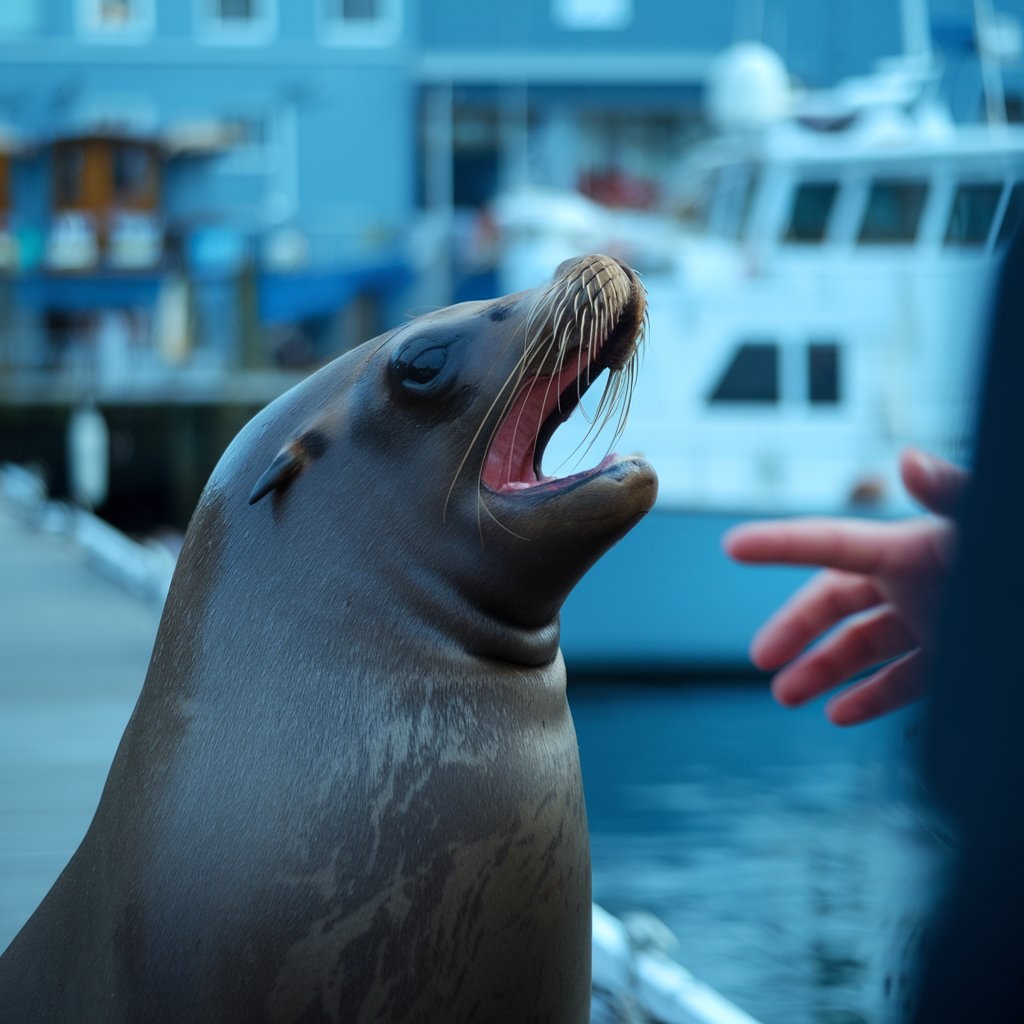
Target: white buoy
x,y
88,457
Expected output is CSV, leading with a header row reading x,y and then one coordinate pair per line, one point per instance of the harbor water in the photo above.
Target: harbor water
x,y
794,861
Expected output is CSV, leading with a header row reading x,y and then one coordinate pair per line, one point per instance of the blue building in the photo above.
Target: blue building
x,y
201,198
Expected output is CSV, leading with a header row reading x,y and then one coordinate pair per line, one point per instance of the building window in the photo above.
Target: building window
x,y
237,21
98,175
236,10
68,172
751,376
19,17
128,21
360,22
974,209
1012,214
823,371
812,205
593,15
134,176
106,204
894,212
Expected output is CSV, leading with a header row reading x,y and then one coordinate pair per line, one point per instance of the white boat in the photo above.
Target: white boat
x,y
819,298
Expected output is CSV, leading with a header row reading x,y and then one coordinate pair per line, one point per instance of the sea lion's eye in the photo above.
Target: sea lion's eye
x,y
416,368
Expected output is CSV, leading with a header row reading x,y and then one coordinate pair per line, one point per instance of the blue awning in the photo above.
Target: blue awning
x,y
289,298
282,297
83,292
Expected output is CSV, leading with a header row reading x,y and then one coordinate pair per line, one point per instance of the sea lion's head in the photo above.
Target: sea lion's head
x,y
421,451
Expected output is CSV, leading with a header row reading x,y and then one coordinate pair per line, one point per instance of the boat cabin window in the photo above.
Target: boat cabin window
x,y
1012,214
894,212
823,373
812,205
974,209
751,376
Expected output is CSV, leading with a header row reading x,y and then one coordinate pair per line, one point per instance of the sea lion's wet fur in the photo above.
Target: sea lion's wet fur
x,y
350,789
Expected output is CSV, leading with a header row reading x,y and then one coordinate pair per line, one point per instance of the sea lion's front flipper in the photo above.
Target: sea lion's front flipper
x,y
289,462
278,475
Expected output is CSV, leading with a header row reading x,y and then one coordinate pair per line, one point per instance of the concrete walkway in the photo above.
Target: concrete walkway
x,y
74,649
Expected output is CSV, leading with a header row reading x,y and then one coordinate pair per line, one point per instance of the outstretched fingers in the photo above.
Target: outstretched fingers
x,y
865,641
874,601
893,686
819,605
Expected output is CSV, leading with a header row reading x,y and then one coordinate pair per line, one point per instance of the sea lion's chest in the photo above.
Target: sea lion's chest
x,y
430,858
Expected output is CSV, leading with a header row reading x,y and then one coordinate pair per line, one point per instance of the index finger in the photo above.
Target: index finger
x,y
811,612
852,545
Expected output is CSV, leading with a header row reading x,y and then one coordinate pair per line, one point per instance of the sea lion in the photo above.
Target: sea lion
x,y
350,790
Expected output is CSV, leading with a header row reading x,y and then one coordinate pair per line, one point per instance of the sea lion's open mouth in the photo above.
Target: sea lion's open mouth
x,y
590,320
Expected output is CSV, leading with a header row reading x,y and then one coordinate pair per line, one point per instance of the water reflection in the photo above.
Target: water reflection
x,y
790,858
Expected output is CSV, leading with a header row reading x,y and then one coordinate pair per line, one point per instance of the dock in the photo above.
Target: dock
x,y
75,647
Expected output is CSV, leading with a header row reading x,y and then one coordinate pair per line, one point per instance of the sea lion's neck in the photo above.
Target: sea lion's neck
x,y
425,612
483,630
344,621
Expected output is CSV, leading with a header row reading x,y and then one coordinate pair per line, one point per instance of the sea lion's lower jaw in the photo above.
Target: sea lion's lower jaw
x,y
579,515
613,468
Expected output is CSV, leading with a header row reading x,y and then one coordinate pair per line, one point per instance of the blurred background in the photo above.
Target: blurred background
x,y
202,202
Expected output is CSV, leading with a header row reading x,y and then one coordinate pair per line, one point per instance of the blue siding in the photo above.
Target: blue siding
x,y
358,156
820,42
176,20
353,114
353,109
657,25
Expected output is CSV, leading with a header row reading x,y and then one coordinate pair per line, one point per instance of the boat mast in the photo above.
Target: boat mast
x,y
998,38
916,24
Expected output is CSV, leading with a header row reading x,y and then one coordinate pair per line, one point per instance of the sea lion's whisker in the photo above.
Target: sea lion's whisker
x,y
575,315
617,393
579,375
514,376
494,519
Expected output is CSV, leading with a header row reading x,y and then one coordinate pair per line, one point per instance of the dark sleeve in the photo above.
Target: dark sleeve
x,y
974,758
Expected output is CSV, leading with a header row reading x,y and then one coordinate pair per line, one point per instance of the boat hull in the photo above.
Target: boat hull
x,y
666,600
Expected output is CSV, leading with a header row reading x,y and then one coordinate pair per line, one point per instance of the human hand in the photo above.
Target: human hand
x,y
880,587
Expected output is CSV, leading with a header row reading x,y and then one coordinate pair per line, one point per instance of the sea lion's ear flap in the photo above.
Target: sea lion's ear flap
x,y
289,462
279,473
